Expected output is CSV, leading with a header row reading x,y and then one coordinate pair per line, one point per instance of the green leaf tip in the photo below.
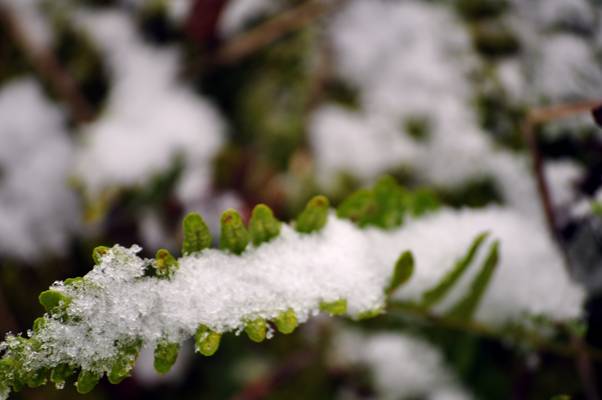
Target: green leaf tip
x,y
98,253
263,226
124,362
60,374
338,307
467,306
386,204
369,314
404,268
206,341
86,381
256,330
166,354
438,292
315,215
286,322
54,301
234,236
165,263
382,205
197,236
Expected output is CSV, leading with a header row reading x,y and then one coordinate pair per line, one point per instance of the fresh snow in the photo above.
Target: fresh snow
x,y
296,271
38,211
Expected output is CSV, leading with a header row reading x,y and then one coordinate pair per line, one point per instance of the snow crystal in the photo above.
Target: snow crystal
x,y
38,211
151,120
298,272
402,366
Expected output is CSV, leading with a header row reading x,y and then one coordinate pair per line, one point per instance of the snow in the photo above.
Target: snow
x,y
223,291
151,119
38,211
416,63
402,366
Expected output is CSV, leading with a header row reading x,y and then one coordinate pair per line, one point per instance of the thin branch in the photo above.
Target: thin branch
x,y
532,338
289,21
48,67
534,118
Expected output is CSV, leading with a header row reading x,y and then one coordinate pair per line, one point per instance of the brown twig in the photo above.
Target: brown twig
x,y
290,20
48,67
202,22
534,118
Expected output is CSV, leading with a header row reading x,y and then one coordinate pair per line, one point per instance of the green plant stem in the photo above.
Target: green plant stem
x,y
533,339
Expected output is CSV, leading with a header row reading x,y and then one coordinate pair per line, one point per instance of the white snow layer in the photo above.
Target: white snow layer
x,y
151,119
402,366
38,211
415,63
223,291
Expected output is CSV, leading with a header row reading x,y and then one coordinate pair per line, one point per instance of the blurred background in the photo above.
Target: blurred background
x,y
117,117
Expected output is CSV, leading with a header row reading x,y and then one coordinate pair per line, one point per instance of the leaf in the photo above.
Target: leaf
x,y
166,354
315,215
98,252
165,263
468,305
256,330
234,236
124,362
358,207
404,268
438,292
197,236
60,374
338,307
263,226
388,197
286,322
54,301
86,381
206,341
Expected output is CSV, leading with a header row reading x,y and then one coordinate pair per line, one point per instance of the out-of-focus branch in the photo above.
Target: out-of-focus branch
x,y
534,118
288,21
531,338
203,21
48,67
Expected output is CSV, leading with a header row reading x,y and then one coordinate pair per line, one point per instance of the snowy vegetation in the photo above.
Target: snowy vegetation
x,y
455,253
